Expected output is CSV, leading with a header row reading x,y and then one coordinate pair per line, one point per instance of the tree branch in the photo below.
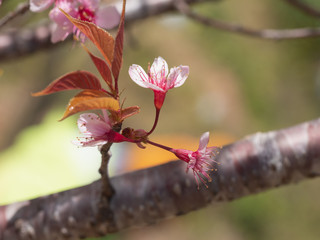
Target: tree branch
x,y
107,190
256,163
23,42
272,34
21,9
304,7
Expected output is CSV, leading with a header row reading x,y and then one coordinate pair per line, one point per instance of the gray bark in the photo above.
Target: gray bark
x,y
256,163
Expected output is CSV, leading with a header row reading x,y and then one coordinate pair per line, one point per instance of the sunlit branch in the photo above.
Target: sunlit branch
x,y
272,34
256,163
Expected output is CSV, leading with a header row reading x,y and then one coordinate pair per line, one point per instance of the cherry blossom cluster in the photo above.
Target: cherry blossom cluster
x,y
81,17
97,130
87,10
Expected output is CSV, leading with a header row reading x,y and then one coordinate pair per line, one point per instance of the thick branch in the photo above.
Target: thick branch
x,y
272,34
304,7
256,163
22,42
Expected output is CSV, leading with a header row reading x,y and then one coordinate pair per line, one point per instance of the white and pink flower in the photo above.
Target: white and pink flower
x,y
96,130
201,160
158,79
86,10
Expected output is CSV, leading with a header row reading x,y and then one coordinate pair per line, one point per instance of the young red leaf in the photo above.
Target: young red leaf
x,y
100,37
120,115
118,48
73,80
89,100
128,112
102,68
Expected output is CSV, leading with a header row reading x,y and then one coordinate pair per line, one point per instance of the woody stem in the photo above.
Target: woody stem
x,y
107,191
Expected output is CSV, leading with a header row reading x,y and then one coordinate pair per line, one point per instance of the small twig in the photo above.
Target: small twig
x,y
107,190
304,8
21,9
103,170
272,34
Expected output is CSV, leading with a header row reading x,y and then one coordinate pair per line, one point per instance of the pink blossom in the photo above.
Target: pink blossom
x,y
199,161
62,26
86,10
96,130
158,79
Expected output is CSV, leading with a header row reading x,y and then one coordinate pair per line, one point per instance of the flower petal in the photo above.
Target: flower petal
x,y
138,75
88,142
178,76
59,33
40,5
58,17
154,87
106,116
90,4
159,70
108,17
91,125
204,139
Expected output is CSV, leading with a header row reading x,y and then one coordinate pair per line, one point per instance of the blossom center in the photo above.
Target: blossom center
x,y
86,14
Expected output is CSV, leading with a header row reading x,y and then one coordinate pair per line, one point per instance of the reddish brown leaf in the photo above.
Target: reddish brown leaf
x,y
118,48
128,112
73,80
120,115
102,68
89,100
100,37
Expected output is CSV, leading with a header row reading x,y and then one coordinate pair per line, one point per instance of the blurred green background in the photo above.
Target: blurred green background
x,y
237,86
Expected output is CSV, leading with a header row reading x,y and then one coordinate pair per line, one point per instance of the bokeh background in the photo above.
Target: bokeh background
x,y
237,86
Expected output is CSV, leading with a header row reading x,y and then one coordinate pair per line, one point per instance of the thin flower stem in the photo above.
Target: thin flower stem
x,y
155,122
160,145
